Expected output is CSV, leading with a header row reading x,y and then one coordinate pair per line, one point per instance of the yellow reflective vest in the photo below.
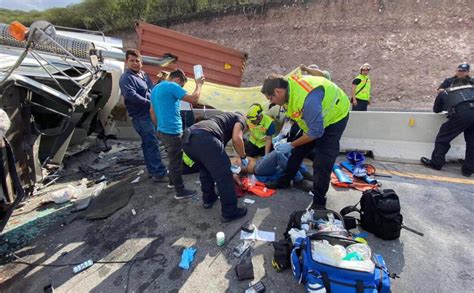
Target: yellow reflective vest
x,y
187,160
259,132
335,104
364,84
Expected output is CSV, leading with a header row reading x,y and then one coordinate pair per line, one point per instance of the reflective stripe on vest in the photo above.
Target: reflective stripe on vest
x,y
364,94
335,104
257,133
187,160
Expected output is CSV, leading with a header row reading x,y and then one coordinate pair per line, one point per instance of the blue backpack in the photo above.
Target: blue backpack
x,y
319,276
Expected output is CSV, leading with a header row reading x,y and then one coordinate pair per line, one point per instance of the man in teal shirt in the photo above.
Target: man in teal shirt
x,y
165,100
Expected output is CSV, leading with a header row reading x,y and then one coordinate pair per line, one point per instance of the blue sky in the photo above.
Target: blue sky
x,y
27,5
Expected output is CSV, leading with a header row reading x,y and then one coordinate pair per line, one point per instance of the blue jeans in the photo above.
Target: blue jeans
x,y
273,162
150,146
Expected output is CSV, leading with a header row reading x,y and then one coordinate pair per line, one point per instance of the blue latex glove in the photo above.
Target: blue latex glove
x,y
187,257
277,138
244,162
284,147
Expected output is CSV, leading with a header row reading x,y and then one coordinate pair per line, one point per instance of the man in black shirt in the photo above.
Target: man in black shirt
x,y
458,100
461,72
204,142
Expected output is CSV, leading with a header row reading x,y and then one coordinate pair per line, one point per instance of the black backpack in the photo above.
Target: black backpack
x,y
379,213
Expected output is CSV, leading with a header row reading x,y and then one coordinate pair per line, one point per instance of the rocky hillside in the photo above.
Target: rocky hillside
x,y
412,45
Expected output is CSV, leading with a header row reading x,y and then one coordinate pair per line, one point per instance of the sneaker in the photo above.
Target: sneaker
x,y
160,179
185,193
239,213
303,185
428,163
170,186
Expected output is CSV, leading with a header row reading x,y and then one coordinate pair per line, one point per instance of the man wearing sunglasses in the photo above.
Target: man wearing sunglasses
x,y
461,72
361,89
261,129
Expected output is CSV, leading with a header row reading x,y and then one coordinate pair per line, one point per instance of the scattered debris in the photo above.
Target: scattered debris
x,y
113,198
249,201
258,235
61,196
134,212
79,268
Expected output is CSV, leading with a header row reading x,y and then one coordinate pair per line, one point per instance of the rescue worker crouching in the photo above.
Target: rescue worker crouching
x,y
458,100
321,110
261,129
204,143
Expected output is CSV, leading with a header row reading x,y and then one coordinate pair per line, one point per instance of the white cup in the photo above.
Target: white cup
x,y
220,238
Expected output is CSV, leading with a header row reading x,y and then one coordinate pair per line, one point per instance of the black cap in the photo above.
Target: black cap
x,y
464,66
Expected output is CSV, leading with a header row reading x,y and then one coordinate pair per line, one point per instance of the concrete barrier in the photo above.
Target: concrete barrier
x,y
397,136
390,136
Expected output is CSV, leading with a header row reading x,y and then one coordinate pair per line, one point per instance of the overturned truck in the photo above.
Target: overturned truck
x,y
57,86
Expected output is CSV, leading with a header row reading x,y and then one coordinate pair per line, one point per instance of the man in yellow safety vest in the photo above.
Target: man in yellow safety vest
x,y
321,110
261,130
361,89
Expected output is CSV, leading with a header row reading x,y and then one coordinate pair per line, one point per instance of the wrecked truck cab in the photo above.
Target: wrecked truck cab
x,y
57,88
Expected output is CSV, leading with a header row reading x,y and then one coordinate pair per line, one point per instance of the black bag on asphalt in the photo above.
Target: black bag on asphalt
x,y
379,213
281,256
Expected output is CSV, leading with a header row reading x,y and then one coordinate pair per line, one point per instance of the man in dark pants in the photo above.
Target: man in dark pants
x,y
136,86
165,99
458,100
204,143
321,110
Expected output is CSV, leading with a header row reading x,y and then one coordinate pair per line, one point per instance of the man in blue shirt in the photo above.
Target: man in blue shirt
x,y
136,87
165,100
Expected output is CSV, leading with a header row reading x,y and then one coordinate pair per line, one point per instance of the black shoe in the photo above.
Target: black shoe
x,y
319,202
160,179
185,193
466,172
279,184
208,205
428,163
239,213
307,175
303,185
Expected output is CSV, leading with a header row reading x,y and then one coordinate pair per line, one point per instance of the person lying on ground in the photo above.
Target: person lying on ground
x,y
272,166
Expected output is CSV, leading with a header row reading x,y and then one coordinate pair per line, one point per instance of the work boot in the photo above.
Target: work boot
x,y
239,213
303,185
466,172
208,205
279,184
428,163
185,193
319,202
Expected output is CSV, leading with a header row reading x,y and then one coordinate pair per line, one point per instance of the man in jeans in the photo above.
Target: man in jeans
x,y
136,87
165,100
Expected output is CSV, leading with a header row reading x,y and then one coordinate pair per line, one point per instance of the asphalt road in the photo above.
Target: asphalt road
x,y
162,227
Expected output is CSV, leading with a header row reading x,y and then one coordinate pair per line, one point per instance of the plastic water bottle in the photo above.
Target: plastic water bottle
x,y
80,267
